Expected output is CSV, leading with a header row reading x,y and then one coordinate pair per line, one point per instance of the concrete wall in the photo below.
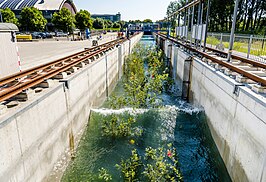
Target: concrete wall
x,y
180,69
8,55
236,116
36,133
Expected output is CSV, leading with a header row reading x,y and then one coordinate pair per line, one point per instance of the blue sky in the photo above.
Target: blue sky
x,y
129,9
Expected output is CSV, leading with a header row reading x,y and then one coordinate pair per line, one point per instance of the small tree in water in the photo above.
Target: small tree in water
x,y
158,165
120,127
144,79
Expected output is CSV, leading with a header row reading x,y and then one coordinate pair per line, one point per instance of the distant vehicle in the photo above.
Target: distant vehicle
x,y
60,34
48,35
42,34
76,31
36,35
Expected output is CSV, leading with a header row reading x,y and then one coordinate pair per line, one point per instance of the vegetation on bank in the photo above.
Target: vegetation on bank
x,y
256,48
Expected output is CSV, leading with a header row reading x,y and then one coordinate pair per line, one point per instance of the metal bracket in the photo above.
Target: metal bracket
x,y
236,89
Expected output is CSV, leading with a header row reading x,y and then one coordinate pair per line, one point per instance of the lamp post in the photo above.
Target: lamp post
x,y
1,18
232,32
207,23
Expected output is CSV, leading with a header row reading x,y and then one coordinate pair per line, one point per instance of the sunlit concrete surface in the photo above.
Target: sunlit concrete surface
x,y
35,135
235,114
44,51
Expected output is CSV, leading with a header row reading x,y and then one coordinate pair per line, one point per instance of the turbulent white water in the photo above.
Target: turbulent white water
x,y
167,115
184,107
130,111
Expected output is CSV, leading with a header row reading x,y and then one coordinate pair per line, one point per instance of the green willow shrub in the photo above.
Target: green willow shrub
x,y
162,165
104,175
120,127
144,79
157,165
131,167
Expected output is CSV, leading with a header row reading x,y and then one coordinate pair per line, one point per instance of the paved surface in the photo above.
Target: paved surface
x,y
44,51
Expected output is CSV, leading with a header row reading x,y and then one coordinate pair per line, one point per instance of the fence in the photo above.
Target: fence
x,y
246,46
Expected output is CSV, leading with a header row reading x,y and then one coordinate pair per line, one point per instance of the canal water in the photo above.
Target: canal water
x,y
175,122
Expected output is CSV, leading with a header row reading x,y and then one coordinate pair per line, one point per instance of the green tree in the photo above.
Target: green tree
x,y
83,20
147,21
9,16
134,21
98,23
250,15
32,19
108,23
122,23
172,8
64,20
116,25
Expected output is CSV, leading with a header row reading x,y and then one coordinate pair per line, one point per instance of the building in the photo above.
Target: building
x,y
48,7
113,18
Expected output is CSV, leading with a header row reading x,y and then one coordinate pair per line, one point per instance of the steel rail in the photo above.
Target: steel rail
x,y
27,72
242,59
11,92
223,63
25,84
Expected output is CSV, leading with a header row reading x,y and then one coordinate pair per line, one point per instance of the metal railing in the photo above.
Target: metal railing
x,y
247,46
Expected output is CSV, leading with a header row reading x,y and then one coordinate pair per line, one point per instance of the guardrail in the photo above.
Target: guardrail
x,y
248,46
231,67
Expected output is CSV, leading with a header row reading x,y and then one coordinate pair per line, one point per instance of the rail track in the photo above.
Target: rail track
x,y
251,71
18,83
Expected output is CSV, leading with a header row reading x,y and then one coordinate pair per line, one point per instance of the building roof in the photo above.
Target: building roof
x,y
8,27
39,4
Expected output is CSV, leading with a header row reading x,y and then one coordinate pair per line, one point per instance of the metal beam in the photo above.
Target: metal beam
x,y
193,3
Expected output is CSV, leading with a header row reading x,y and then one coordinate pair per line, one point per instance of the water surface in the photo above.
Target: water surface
x,y
175,122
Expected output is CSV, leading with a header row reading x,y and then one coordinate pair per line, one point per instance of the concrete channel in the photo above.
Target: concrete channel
x,y
36,133
236,114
